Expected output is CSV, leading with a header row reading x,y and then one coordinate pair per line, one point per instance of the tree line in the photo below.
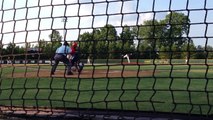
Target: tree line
x,y
160,39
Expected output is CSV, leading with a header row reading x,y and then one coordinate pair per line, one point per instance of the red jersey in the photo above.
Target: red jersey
x,y
73,48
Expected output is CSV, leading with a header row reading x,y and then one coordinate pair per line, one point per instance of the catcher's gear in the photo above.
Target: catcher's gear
x,y
80,67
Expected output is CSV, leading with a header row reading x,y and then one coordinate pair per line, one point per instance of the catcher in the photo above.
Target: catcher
x,y
75,59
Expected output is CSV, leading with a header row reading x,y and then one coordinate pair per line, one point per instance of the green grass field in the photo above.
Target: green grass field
x,y
171,88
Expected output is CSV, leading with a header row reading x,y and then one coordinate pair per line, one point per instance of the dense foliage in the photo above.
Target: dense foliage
x,y
164,39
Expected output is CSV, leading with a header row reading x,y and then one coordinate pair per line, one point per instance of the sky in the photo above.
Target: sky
x,y
32,20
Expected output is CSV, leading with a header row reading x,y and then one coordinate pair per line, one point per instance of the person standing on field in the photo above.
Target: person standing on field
x,y
61,56
127,57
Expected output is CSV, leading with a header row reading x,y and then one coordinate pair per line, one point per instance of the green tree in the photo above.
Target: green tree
x,y
11,49
176,25
149,32
56,40
209,51
114,50
102,49
108,32
127,38
49,48
200,52
105,43
45,49
164,53
166,34
104,37
98,41
188,50
21,51
55,36
145,49
127,35
86,44
175,52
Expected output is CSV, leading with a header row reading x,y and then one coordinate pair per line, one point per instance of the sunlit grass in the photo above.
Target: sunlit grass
x,y
178,88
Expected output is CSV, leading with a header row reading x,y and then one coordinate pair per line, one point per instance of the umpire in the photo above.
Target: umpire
x,y
60,55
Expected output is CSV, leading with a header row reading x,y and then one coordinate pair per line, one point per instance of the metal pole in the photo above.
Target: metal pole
x,y
64,20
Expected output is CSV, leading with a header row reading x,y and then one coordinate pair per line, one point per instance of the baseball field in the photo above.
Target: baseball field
x,y
174,88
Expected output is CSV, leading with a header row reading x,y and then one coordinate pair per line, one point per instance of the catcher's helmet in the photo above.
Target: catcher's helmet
x,y
74,44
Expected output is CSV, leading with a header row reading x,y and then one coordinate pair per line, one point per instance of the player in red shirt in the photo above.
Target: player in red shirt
x,y
74,52
74,48
75,60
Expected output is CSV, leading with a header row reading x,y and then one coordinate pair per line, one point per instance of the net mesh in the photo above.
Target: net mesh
x,y
141,59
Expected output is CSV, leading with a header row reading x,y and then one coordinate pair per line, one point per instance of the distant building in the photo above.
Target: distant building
x,y
34,50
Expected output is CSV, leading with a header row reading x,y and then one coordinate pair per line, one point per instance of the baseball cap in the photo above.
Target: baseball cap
x,y
74,44
66,43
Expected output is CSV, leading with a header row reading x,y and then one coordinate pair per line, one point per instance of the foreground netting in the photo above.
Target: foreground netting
x,y
143,59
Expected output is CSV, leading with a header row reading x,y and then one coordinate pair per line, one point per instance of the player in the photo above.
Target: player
x,y
88,60
74,58
8,60
74,53
127,57
186,60
61,55
79,66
